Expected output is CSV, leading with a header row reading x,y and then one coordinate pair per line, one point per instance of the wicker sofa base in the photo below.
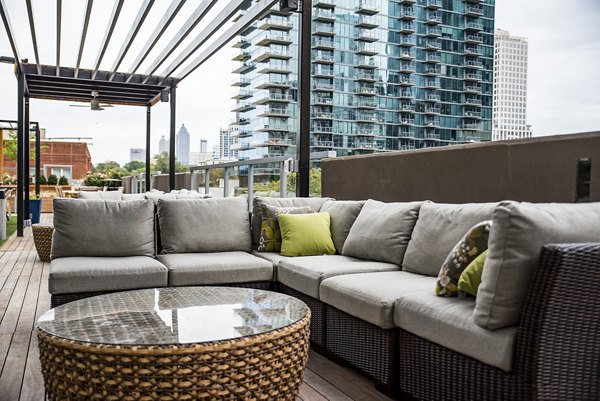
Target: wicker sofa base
x,y
317,323
364,346
59,299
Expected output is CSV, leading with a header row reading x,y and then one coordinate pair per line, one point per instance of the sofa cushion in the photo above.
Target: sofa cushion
x,y
343,214
306,234
216,268
101,195
449,322
204,225
272,257
438,229
130,197
96,274
371,296
305,273
468,248
257,202
470,278
519,232
270,232
155,196
102,228
382,231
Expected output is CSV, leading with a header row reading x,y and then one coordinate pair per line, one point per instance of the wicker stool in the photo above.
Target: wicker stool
x,y
42,238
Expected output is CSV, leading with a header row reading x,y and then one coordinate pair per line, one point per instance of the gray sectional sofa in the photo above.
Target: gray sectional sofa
x,y
526,336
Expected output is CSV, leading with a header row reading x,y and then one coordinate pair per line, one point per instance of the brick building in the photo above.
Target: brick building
x,y
61,158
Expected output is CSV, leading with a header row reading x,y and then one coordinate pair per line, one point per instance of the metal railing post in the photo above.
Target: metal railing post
x,y
250,185
282,181
206,181
194,181
225,182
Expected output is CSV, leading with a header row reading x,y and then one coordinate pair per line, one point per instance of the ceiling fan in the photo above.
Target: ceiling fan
x,y
94,103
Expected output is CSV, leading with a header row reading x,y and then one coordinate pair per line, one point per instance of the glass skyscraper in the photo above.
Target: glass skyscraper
x,y
385,75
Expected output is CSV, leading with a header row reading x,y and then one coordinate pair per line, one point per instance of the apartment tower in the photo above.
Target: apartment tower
x,y
182,145
385,75
510,87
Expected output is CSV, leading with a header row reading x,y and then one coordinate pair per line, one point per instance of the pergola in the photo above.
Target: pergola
x,y
134,87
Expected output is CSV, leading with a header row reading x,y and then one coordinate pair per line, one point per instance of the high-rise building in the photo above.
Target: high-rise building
x,y
203,146
182,145
163,145
510,87
227,142
385,75
137,154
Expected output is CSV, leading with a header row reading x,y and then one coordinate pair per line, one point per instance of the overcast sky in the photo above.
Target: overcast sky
x,y
564,72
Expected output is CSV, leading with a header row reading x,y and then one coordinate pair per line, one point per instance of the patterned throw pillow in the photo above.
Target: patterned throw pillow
x,y
270,233
468,248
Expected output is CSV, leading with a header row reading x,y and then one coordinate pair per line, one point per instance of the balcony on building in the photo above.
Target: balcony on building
x,y
473,64
322,129
473,101
467,137
433,19
324,3
241,107
473,39
323,71
242,94
366,117
323,29
323,57
240,82
368,146
323,100
408,68
367,7
407,108
268,81
274,97
473,11
241,43
322,115
432,97
274,112
321,86
470,127
366,35
407,27
474,26
433,45
324,15
367,49
432,71
406,81
241,146
431,136
266,53
472,51
433,4
240,120
407,121
407,15
273,142
407,55
475,89
366,76
327,145
366,62
407,42
276,22
365,90
368,104
406,94
367,132
406,134
470,76
407,2
472,114
433,32
431,84
323,43
241,133
274,38
274,66
274,127
243,67
432,110
365,21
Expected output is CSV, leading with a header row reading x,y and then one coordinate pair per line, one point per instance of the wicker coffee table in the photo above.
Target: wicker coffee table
x,y
185,343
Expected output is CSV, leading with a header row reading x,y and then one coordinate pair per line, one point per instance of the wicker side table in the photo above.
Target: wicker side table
x,y
42,238
265,366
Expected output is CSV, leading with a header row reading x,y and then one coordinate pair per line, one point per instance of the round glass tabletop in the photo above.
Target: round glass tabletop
x,y
177,315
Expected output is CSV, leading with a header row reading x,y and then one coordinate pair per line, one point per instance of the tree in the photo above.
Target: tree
x,y
10,147
104,167
134,165
162,164
63,180
52,179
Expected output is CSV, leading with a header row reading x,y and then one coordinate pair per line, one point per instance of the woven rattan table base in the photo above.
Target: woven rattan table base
x,y
267,366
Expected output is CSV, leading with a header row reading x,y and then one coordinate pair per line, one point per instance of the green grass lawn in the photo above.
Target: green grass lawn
x,y
11,227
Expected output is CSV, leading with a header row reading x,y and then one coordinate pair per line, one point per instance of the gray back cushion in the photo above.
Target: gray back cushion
x,y
343,214
103,195
381,231
439,228
257,202
130,197
155,196
519,231
204,225
102,228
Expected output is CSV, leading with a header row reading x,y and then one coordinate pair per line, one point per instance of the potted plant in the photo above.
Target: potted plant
x,y
35,208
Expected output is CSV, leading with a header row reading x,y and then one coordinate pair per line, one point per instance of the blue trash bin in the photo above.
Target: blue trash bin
x,y
35,208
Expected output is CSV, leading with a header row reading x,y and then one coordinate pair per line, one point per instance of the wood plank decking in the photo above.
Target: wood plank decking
x,y
24,297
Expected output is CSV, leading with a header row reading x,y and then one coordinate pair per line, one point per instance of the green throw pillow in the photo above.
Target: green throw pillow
x,y
468,248
470,278
270,234
306,234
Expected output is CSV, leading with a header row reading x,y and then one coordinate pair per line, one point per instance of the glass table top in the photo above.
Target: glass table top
x,y
170,316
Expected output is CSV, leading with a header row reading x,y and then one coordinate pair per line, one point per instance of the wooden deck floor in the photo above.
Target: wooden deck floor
x,y
24,297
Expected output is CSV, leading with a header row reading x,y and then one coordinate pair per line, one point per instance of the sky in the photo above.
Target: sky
x,y
563,88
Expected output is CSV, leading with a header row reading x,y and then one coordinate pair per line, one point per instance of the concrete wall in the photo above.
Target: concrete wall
x,y
537,170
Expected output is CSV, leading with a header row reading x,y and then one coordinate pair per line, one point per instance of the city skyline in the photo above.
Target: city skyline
x,y
563,98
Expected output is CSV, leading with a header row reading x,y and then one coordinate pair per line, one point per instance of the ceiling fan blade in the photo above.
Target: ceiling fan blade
x,y
78,105
106,105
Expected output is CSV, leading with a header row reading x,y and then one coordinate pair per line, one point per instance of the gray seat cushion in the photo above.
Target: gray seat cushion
x,y
382,231
216,268
518,233
343,214
371,296
449,323
257,202
102,228
97,274
305,273
439,228
204,225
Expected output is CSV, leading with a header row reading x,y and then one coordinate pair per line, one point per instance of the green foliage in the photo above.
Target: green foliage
x,y
52,179
43,180
95,179
117,173
104,167
63,181
10,146
134,165
274,186
162,164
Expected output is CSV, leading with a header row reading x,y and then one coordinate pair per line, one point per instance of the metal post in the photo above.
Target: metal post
x,y
26,150
225,182
172,140
148,121
282,181
38,151
194,180
207,181
304,53
20,134
250,185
